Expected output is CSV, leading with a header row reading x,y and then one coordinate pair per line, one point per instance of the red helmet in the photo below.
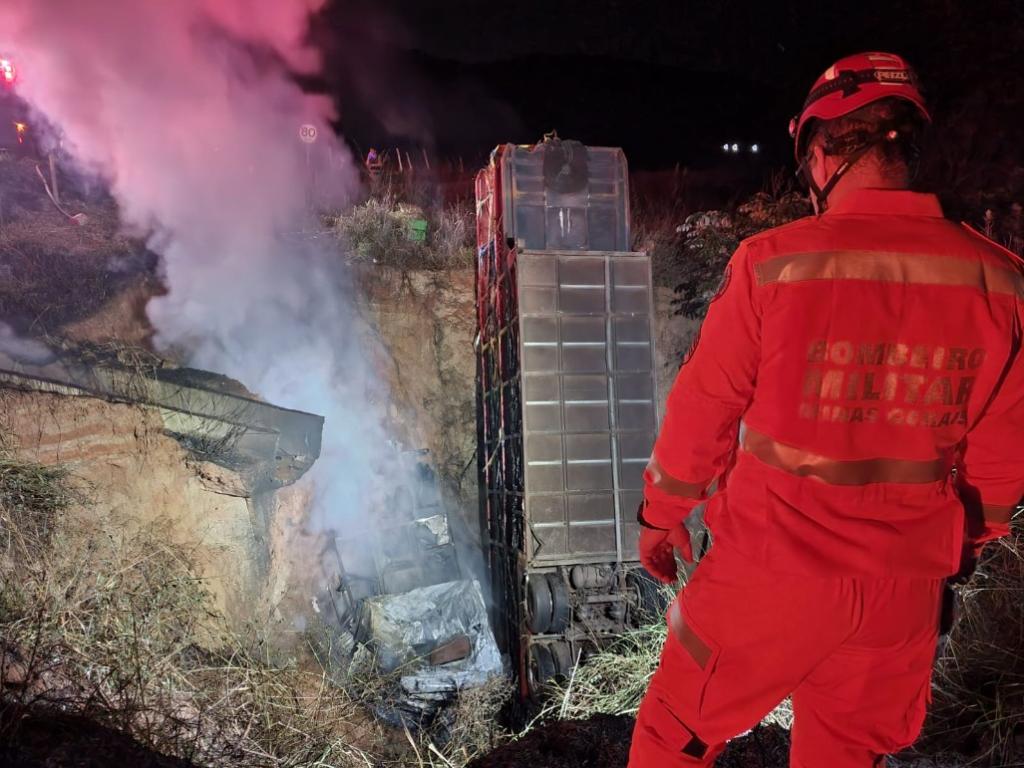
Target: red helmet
x,y
854,82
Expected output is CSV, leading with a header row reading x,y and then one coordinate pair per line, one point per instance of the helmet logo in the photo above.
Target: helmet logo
x,y
897,76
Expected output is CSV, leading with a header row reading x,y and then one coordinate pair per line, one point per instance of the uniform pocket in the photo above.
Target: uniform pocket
x,y
673,732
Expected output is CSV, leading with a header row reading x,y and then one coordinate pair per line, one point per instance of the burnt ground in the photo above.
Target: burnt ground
x,y
603,742
56,740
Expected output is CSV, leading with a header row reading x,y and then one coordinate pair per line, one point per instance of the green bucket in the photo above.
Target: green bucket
x,y
418,230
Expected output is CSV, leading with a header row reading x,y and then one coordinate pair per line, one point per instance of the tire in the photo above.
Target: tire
x,y
561,653
540,670
538,603
561,607
650,598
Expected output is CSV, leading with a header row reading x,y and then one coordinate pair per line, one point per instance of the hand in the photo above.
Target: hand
x,y
656,551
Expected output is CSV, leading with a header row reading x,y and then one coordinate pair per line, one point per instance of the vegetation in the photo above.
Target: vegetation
x,y
711,237
110,620
380,232
978,689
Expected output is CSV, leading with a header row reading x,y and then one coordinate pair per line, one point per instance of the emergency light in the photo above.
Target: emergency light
x,y
8,73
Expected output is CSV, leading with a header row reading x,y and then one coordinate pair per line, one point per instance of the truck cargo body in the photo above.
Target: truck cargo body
x,y
567,412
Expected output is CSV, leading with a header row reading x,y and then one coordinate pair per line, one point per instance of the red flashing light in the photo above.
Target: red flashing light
x,y
7,71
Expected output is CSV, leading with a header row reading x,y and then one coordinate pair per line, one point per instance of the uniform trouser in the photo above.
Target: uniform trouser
x,y
856,655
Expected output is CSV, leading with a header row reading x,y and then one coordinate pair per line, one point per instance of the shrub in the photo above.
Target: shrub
x,y
377,232
710,238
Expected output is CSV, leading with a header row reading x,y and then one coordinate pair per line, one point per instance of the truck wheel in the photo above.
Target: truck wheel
x,y
561,608
650,598
562,655
538,604
540,670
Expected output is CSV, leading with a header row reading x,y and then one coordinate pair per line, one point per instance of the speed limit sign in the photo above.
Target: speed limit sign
x,y
307,133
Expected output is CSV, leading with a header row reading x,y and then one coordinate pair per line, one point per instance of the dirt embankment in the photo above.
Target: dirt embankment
x,y
130,468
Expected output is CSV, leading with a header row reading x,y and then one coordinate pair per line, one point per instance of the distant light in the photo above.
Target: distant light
x,y
20,129
725,147
7,71
754,148
735,147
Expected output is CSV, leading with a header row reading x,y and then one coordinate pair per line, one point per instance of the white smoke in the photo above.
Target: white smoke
x,y
186,107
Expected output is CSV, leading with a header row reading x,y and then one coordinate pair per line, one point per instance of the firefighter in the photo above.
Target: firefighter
x,y
856,398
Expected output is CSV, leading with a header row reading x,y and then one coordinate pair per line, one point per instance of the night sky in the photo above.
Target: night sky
x,y
668,81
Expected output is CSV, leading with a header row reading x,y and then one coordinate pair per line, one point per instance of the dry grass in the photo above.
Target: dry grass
x,y
109,620
978,689
472,727
453,237
455,736
31,498
54,272
613,681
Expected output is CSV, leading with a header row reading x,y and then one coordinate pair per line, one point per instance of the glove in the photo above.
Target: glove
x,y
656,550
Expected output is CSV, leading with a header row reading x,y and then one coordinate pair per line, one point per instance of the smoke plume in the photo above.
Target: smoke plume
x,y
188,109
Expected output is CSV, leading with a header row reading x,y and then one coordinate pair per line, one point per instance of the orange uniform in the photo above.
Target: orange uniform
x,y
873,357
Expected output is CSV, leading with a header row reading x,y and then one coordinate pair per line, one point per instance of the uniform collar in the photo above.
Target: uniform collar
x,y
887,202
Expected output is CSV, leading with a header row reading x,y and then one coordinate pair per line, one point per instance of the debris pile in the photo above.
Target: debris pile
x,y
433,642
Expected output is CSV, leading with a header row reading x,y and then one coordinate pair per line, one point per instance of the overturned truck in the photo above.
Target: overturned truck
x,y
566,406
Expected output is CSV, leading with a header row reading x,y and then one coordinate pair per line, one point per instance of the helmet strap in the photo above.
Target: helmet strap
x,y
821,193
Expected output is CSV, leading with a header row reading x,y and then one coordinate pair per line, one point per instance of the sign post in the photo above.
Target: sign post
x,y
307,135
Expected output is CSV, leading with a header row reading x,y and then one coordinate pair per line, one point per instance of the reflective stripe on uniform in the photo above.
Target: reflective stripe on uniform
x,y
803,463
998,513
884,267
697,648
657,477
